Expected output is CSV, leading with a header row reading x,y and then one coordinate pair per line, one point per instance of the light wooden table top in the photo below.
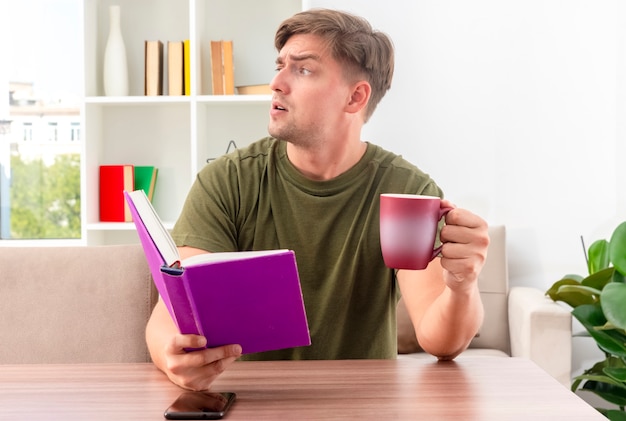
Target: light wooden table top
x,y
480,388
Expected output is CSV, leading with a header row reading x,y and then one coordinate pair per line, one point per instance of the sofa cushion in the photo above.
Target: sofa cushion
x,y
74,304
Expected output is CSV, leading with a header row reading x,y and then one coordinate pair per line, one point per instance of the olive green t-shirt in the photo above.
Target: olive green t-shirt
x,y
255,199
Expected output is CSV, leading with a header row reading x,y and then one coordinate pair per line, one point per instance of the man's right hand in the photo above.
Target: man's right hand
x,y
192,370
196,370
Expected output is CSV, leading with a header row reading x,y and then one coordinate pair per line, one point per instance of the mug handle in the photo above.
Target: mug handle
x,y
442,212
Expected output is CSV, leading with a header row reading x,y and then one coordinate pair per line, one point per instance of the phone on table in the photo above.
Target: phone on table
x,y
200,406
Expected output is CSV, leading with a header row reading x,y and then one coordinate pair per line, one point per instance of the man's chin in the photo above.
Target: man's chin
x,y
278,134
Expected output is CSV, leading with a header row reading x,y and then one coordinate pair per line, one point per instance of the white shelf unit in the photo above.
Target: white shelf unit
x,y
177,134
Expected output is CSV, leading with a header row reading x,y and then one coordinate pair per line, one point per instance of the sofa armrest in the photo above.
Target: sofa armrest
x,y
541,330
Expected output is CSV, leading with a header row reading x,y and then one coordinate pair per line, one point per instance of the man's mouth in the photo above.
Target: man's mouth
x,y
279,107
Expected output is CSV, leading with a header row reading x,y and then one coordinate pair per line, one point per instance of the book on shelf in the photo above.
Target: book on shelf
x,y
254,90
187,65
217,72
229,70
114,180
251,298
222,68
145,179
175,68
153,84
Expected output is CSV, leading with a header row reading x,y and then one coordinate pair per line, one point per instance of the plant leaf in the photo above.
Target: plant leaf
x,y
553,291
617,248
608,391
573,276
619,277
599,279
611,341
615,415
601,378
606,326
576,295
616,373
598,368
613,301
598,256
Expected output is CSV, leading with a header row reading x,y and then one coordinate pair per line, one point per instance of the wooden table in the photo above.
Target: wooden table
x,y
481,388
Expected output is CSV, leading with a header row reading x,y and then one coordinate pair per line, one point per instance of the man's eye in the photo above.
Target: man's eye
x,y
305,71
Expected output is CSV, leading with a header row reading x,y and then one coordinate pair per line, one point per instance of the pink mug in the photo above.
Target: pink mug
x,y
408,228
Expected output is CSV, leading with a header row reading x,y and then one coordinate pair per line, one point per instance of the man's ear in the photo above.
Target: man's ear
x,y
360,97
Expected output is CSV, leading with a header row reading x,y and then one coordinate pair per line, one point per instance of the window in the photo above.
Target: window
x,y
40,149
27,129
52,131
75,131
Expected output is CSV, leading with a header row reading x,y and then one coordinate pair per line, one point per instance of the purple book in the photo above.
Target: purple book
x,y
251,298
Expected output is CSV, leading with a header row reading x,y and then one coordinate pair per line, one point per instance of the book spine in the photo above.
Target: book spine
x,y
175,68
187,66
129,185
152,186
229,71
153,68
176,299
169,282
217,68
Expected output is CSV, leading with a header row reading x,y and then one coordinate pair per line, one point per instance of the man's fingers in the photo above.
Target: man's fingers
x,y
180,343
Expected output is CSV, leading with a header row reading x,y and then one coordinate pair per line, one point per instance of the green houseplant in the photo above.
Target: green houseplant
x,y
598,302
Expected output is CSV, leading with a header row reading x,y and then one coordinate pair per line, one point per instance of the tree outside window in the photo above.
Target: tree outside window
x,y
40,147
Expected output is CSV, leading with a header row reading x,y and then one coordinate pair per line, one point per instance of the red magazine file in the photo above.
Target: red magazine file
x,y
114,180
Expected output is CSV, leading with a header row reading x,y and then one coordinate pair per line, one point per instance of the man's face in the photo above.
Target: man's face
x,y
310,92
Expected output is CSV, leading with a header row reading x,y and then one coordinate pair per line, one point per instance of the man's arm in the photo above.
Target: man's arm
x,y
191,370
443,300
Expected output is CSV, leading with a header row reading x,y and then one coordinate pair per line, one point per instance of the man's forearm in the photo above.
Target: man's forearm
x,y
159,330
450,323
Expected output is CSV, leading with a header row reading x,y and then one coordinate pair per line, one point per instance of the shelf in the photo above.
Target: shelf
x,y
134,100
165,99
120,226
176,134
234,99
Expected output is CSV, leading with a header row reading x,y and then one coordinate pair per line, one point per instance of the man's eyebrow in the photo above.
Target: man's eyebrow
x,y
298,57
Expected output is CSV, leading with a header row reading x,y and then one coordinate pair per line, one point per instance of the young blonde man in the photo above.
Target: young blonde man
x,y
313,186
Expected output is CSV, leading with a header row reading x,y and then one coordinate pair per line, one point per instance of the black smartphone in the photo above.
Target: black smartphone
x,y
200,406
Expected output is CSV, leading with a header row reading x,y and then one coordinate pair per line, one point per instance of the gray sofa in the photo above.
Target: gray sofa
x,y
91,304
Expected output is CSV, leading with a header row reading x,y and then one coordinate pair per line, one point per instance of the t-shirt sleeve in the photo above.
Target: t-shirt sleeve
x,y
206,220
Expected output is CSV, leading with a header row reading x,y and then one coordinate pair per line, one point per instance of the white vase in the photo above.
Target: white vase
x,y
115,71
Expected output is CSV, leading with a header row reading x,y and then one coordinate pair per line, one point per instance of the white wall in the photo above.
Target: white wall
x,y
4,73
518,110
512,107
